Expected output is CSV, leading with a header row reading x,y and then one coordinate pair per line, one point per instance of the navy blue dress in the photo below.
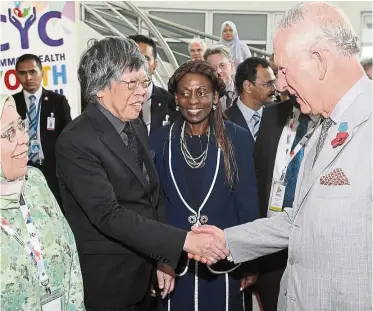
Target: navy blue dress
x,y
226,207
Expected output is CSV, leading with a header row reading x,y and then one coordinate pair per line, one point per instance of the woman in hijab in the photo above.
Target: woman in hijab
x,y
40,268
229,37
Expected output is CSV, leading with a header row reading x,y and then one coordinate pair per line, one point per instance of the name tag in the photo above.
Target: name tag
x,y
53,301
51,122
35,146
277,196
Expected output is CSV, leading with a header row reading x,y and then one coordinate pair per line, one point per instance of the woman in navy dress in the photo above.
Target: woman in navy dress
x,y
206,170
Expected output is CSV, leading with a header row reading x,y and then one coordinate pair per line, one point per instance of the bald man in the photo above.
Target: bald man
x,y
328,230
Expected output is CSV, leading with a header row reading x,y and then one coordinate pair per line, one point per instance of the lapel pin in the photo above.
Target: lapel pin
x,y
45,98
159,104
342,135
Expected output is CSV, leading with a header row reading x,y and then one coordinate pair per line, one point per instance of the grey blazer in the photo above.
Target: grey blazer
x,y
329,229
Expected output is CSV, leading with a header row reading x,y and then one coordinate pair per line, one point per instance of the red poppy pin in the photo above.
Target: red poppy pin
x,y
342,135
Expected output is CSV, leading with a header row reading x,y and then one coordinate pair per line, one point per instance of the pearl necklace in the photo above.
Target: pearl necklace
x,y
192,162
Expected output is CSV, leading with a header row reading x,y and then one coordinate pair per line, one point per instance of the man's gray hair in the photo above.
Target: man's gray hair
x,y
366,63
337,31
219,49
105,61
199,41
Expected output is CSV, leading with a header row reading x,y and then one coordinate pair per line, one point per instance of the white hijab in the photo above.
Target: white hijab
x,y
234,45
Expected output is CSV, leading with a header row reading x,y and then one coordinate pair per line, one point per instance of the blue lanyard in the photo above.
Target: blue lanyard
x,y
37,116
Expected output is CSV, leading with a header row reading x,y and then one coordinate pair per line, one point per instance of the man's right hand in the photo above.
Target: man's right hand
x,y
206,246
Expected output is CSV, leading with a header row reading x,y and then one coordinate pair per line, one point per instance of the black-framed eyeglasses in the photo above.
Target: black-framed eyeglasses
x,y
269,84
11,133
134,84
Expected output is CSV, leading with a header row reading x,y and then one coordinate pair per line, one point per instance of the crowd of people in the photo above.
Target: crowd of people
x,y
247,176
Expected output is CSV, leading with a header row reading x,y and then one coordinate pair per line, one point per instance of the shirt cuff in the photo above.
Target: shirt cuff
x,y
229,258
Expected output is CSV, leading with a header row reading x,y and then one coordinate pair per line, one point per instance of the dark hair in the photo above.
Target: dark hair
x,y
26,57
105,61
366,63
247,70
217,117
146,40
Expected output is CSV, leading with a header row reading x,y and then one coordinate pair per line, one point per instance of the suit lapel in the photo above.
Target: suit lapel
x,y
20,104
114,142
45,111
158,108
355,115
177,162
237,116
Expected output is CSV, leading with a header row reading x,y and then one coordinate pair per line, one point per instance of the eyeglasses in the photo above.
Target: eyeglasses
x,y
11,133
269,84
134,84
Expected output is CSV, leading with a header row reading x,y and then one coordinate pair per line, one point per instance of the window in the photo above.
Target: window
x,y
366,35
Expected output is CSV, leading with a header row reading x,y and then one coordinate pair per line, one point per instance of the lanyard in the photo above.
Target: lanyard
x,y
33,248
290,154
37,117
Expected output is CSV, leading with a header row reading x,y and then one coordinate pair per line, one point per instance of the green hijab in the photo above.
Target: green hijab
x,y
10,190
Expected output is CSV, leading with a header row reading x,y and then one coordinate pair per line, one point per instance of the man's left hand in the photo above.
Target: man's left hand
x,y
166,279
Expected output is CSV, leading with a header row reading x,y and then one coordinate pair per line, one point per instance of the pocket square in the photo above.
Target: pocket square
x,y
335,178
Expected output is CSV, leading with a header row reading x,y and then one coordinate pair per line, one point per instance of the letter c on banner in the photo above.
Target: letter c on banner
x,y
42,28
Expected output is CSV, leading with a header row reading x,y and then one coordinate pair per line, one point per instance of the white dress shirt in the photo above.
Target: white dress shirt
x,y
248,115
146,108
38,101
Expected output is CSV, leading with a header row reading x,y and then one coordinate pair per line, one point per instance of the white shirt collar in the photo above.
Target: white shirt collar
x,y
149,91
246,111
347,99
37,94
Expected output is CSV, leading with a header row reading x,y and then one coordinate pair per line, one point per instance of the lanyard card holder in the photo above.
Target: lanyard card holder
x,y
53,301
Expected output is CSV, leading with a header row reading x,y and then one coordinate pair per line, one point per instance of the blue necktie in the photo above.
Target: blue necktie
x,y
293,168
256,118
33,121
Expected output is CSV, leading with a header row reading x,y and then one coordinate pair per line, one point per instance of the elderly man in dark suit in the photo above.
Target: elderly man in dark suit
x,y
110,187
47,112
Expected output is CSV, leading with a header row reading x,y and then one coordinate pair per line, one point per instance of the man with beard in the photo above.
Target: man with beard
x,y
256,85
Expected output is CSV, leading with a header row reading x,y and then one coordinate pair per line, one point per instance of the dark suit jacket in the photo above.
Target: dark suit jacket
x,y
50,103
113,211
272,266
162,104
235,115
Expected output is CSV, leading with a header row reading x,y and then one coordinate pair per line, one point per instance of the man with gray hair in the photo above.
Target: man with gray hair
x,y
367,65
328,231
196,48
219,57
110,186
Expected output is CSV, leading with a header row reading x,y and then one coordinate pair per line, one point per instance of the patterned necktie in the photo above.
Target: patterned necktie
x,y
326,124
33,121
133,145
229,98
256,117
293,168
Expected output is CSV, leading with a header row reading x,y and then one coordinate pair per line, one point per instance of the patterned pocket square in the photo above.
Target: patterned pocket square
x,y
335,178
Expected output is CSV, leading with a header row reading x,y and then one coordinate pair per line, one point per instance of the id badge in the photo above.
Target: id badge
x,y
277,196
35,146
51,123
53,301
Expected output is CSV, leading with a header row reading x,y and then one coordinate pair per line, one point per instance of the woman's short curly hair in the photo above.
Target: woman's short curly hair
x,y
201,67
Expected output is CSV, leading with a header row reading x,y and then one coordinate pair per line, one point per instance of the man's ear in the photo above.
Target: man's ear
x,y
318,56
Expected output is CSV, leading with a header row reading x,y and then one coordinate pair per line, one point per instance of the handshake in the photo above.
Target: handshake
x,y
206,244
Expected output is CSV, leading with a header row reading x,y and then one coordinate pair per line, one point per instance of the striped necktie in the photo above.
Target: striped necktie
x,y
33,121
325,126
256,117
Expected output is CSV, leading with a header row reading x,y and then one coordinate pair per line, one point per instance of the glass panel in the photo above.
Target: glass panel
x,y
249,26
188,19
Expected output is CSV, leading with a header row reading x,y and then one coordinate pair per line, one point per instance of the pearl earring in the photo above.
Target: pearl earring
x,y
213,107
177,108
